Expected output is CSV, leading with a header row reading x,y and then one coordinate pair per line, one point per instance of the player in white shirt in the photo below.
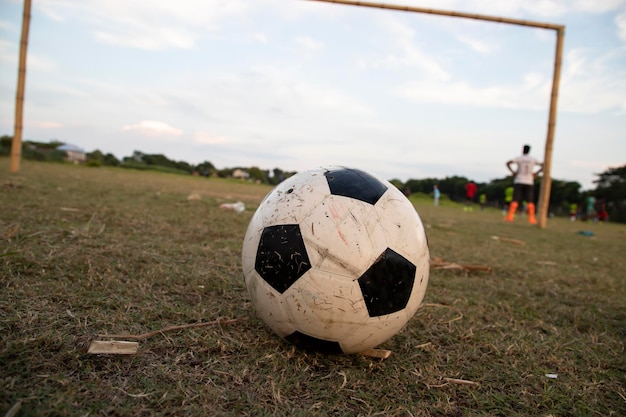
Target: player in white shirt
x,y
523,183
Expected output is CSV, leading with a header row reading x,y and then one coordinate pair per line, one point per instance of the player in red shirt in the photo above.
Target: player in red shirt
x,y
470,192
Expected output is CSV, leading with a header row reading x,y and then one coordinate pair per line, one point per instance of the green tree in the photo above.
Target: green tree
x,y
562,194
110,160
256,174
5,144
205,169
95,158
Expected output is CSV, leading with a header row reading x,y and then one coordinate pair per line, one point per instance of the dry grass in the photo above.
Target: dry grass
x,y
91,251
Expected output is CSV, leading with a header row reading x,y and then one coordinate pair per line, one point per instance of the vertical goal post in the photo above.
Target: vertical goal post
x,y
16,143
546,180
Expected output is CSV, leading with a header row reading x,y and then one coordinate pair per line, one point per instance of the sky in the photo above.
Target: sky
x,y
299,84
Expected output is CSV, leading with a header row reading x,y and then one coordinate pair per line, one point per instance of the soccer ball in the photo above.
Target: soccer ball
x,y
335,260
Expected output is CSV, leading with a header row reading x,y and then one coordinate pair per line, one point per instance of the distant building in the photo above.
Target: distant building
x,y
74,153
241,174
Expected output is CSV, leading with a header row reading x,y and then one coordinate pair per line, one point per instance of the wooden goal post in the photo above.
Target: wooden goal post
x,y
546,182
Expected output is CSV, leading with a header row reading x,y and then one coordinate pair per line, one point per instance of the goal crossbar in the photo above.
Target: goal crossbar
x,y
546,181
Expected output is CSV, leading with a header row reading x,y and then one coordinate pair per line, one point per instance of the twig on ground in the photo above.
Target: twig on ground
x,y
172,328
376,353
461,381
440,263
550,263
142,395
14,410
509,240
459,317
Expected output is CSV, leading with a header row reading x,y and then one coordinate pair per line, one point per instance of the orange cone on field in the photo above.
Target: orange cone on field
x,y
531,214
512,210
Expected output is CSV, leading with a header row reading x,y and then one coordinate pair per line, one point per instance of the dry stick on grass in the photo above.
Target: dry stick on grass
x,y
460,381
509,240
439,263
376,353
459,317
172,328
14,410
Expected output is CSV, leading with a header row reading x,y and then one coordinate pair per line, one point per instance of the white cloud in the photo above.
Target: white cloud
x,y
9,53
151,38
8,26
546,7
309,43
260,38
530,94
48,125
620,22
589,86
593,166
153,25
38,63
597,6
328,98
513,8
585,87
153,128
269,91
208,138
477,45
406,52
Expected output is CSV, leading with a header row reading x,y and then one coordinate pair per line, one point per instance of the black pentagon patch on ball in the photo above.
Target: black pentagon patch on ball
x,y
355,184
281,257
311,343
387,284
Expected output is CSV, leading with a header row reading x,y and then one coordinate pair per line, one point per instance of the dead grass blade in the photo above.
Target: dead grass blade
x,y
14,410
172,328
509,240
457,318
376,353
439,263
461,382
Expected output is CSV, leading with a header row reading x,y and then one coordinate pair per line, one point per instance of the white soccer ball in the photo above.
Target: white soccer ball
x,y
336,260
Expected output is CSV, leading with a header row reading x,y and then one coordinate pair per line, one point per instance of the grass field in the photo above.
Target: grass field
x,y
90,251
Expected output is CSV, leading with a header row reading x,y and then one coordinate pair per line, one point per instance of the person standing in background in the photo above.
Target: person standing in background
x,y
573,211
508,197
482,199
436,195
590,212
523,183
470,191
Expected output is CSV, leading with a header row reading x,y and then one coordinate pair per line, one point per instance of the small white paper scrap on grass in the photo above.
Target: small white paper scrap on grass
x,y
114,347
237,207
552,376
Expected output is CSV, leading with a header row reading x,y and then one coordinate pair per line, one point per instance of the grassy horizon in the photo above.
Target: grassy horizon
x,y
89,251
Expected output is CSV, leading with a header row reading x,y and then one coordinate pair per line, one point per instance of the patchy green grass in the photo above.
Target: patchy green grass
x,y
87,251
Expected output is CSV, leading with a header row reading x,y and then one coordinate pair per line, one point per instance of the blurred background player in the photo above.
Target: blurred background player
x,y
508,197
470,191
523,183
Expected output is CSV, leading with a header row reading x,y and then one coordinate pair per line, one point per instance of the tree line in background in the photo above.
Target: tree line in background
x,y
610,184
